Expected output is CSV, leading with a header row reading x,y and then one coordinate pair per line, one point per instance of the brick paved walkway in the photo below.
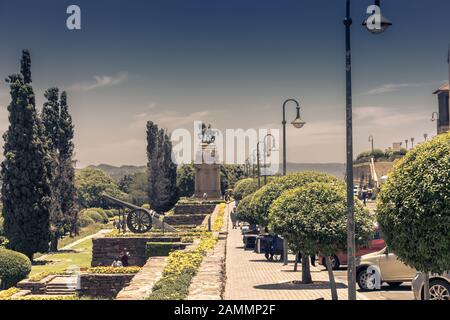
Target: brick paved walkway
x,y
251,277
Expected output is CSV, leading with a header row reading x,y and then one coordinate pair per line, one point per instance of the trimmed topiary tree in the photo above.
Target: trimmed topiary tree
x,y
244,212
314,218
414,207
265,196
244,188
14,267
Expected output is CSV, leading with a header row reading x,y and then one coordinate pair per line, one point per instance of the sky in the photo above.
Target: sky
x,y
232,64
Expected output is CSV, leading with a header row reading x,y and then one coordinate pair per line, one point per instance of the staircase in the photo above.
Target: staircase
x,y
62,286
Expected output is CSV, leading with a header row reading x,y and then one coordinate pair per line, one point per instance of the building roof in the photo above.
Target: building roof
x,y
443,88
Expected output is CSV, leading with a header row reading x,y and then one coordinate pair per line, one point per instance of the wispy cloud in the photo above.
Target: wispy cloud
x,y
372,116
393,87
169,119
99,82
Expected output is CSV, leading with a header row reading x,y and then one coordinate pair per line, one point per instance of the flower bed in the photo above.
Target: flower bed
x,y
7,294
218,223
180,269
113,270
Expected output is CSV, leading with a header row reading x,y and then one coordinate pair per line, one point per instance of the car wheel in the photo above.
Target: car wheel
x,y
439,290
335,262
394,284
362,278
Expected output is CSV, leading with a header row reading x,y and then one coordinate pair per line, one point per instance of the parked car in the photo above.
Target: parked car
x,y
439,286
392,270
340,258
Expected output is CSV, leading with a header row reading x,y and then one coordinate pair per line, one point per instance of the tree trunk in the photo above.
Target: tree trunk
x,y
334,294
426,286
297,257
54,242
306,272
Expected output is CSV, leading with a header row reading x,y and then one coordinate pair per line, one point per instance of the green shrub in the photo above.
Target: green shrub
x,y
244,211
95,215
3,242
413,208
158,249
84,221
264,197
14,266
111,213
244,188
187,239
172,288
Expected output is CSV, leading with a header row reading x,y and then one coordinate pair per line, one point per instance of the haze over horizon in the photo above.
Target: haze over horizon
x,y
231,64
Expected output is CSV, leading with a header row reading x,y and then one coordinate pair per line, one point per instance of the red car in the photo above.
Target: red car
x,y
340,258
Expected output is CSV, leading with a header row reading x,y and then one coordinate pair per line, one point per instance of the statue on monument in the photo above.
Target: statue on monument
x,y
207,170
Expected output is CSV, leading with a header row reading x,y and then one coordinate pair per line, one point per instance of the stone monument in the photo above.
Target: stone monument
x,y
207,168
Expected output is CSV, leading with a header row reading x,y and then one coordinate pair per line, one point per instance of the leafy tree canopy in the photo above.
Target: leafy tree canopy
x,y
414,206
91,184
264,197
314,218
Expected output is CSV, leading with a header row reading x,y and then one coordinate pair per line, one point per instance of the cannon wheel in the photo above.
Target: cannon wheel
x,y
139,221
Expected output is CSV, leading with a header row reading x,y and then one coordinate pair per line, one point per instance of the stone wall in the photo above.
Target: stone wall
x,y
103,285
201,208
188,219
106,250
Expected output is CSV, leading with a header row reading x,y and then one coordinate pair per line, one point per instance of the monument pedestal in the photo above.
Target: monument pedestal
x,y
207,180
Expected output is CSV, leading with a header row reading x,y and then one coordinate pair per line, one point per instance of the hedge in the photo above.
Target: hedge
x,y
14,267
158,249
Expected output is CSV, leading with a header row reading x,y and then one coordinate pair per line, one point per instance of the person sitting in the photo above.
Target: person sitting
x,y
123,257
117,263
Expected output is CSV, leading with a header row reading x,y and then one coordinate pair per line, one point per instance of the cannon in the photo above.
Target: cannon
x,y
140,220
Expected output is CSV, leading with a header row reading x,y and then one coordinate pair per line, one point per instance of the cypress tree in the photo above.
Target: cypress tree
x,y
162,172
50,121
67,190
26,192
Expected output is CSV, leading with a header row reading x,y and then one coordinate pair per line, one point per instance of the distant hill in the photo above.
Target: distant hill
x,y
117,173
335,169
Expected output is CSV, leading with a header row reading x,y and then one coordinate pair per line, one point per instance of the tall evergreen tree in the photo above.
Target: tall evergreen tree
x,y
50,121
26,191
67,189
162,172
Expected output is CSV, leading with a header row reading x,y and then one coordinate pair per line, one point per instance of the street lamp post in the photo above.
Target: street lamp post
x,y
412,143
435,117
297,123
267,153
371,141
384,24
258,166
406,142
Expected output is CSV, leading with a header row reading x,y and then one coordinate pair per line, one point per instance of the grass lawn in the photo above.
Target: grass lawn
x,y
59,262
